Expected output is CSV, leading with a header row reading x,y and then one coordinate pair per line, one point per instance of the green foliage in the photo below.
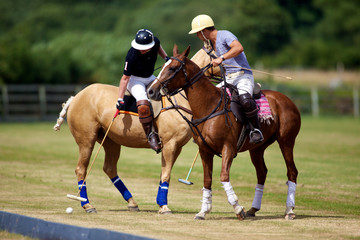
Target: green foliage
x,y
86,41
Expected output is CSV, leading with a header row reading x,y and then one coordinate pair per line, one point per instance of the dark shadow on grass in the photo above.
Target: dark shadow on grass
x,y
126,210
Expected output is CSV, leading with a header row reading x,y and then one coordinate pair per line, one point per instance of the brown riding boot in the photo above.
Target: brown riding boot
x,y
146,118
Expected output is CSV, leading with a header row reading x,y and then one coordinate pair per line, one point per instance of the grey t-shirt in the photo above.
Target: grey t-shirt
x,y
223,40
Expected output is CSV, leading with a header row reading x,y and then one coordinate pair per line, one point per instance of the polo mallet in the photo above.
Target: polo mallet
x,y
258,71
77,197
192,165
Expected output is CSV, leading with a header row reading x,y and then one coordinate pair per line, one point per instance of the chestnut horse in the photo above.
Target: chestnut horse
x,y
219,133
89,115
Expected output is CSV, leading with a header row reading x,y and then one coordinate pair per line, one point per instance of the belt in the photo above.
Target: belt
x,y
235,74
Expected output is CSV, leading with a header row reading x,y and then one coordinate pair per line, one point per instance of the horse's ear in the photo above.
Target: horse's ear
x,y
175,50
187,51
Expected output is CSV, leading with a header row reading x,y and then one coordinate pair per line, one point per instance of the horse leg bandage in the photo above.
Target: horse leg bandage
x,y
83,193
121,187
161,198
232,198
290,201
206,201
259,190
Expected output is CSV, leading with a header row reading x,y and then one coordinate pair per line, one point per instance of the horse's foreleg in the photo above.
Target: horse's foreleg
x,y
257,158
206,206
112,154
225,180
170,152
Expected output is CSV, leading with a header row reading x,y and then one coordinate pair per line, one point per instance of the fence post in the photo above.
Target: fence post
x,y
42,100
5,101
356,102
314,101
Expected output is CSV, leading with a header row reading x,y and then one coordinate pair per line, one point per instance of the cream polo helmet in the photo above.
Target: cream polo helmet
x,y
201,22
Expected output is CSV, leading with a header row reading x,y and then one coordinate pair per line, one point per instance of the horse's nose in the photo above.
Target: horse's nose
x,y
151,94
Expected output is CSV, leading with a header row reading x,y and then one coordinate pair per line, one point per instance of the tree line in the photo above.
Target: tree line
x,y
85,41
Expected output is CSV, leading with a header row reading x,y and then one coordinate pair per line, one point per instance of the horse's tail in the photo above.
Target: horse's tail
x,y
62,114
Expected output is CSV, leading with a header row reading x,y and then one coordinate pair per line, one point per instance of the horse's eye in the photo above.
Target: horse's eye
x,y
172,69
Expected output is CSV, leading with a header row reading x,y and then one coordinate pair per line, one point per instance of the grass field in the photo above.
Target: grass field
x,y
37,171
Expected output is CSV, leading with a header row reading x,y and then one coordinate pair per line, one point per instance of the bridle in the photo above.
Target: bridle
x,y
164,85
188,82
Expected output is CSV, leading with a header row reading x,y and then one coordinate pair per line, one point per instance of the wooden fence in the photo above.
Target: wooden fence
x,y
43,102
34,102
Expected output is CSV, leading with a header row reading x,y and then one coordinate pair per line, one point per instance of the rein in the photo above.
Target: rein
x,y
190,82
194,123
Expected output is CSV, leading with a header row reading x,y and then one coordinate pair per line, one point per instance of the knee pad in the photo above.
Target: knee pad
x,y
247,102
144,111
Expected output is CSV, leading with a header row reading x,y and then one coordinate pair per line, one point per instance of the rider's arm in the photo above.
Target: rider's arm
x,y
162,53
235,49
123,85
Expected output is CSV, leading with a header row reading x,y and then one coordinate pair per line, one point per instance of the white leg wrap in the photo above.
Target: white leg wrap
x,y
232,198
206,201
290,201
259,189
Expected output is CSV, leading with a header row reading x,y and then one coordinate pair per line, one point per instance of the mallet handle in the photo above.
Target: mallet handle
x,y
192,165
97,152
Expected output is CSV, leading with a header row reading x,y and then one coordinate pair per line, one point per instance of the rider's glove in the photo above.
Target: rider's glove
x,y
120,104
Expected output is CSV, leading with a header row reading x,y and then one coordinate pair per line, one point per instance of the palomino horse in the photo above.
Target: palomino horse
x,y
89,115
219,133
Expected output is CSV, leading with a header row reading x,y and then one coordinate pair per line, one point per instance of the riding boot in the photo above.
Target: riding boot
x,y
255,133
146,118
249,105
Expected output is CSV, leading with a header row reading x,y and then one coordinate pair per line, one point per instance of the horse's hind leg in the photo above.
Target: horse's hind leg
x,y
85,150
287,148
112,154
257,158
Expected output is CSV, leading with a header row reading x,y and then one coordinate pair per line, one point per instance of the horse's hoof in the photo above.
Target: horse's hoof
x,y
289,213
290,216
200,216
240,213
164,210
132,205
251,212
133,208
89,209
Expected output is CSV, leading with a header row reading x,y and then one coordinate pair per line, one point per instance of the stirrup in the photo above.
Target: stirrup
x,y
256,140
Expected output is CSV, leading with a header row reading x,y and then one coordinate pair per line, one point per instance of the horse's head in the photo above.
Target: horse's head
x,y
173,77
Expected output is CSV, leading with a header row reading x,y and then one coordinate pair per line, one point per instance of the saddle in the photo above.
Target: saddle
x,y
130,106
235,107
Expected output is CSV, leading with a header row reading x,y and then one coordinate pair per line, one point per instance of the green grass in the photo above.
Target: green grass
x,y
37,170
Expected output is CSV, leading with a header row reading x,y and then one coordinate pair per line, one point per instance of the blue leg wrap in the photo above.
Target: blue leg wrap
x,y
122,188
83,192
161,198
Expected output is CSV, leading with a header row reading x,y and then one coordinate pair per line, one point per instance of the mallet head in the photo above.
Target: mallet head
x,y
185,182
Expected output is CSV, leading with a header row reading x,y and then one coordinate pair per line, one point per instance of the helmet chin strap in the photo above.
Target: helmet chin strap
x,y
205,37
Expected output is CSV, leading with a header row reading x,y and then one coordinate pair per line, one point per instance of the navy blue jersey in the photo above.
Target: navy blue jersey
x,y
141,65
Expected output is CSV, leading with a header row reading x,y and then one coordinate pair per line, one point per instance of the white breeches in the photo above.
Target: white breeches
x,y
137,87
243,82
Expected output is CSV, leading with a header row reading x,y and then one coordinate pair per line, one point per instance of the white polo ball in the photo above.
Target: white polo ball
x,y
69,210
